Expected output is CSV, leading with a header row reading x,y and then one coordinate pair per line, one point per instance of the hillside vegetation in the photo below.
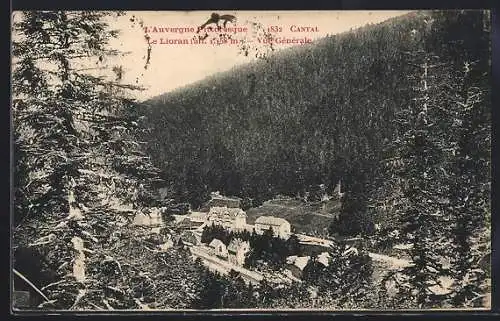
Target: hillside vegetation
x,y
399,112
312,218
306,116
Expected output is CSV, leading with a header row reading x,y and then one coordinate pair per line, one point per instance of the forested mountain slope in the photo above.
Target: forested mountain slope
x,y
309,115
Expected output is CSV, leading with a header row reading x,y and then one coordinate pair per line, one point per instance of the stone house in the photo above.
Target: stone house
x,y
188,224
229,218
191,237
324,258
280,227
237,251
296,264
198,216
218,248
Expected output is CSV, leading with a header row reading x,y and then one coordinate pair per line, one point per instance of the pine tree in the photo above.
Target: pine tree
x,y
312,270
414,169
347,276
77,159
469,170
451,112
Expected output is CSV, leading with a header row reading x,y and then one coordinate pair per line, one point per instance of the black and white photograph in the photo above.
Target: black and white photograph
x,y
250,161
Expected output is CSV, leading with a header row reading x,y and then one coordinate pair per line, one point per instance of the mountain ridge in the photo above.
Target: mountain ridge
x,y
280,54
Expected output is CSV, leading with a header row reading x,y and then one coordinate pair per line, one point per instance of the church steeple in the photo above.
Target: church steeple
x,y
338,189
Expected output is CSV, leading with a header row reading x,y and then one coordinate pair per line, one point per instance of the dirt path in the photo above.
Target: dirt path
x,y
394,263
224,267
314,240
279,206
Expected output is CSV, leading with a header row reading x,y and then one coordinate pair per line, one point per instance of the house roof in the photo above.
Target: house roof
x,y
216,243
291,259
271,220
186,222
198,216
228,212
301,261
189,234
323,258
178,218
298,261
218,195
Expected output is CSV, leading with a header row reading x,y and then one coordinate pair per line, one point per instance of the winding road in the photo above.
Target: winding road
x,y
222,266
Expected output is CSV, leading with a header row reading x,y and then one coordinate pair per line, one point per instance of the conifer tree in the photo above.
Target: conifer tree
x,y
469,180
77,160
452,222
438,170
416,187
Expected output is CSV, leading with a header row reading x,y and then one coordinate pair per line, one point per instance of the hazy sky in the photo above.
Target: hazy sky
x,y
176,65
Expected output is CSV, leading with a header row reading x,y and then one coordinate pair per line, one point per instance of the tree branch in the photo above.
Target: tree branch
x,y
20,275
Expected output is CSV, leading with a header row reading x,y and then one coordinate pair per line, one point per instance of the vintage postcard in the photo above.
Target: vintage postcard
x,y
251,160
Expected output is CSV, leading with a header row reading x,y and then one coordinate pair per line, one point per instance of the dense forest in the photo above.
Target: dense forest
x,y
306,116
399,112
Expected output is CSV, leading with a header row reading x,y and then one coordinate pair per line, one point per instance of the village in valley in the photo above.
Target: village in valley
x,y
347,173
224,214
